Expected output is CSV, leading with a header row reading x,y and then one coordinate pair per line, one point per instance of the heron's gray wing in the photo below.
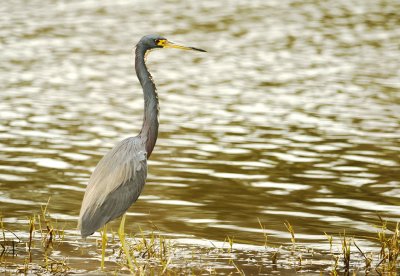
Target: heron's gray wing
x,y
115,184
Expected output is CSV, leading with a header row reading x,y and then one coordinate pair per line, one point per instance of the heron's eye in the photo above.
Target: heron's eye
x,y
160,42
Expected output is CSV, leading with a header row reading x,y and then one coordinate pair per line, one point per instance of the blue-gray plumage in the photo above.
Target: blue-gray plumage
x,y
119,177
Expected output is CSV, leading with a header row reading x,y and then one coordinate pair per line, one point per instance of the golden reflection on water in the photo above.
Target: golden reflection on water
x,y
292,115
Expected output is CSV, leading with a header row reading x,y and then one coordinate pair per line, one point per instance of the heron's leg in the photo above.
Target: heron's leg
x,y
121,234
103,246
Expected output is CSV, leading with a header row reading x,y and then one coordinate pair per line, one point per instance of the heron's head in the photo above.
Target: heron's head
x,y
157,41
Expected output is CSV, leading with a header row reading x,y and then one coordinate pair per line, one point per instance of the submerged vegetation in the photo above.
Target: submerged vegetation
x,y
42,248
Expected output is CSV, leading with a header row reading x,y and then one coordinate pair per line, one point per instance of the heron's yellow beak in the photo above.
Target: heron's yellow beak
x,y
169,44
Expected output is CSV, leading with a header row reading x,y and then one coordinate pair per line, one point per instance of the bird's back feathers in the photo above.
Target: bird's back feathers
x,y
114,186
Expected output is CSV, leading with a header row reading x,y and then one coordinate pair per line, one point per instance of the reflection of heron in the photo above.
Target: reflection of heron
x,y
120,175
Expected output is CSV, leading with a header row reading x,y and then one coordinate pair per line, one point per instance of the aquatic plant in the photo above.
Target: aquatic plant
x,y
38,251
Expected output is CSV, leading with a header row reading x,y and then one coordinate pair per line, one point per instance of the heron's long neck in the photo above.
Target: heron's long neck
x,y
149,129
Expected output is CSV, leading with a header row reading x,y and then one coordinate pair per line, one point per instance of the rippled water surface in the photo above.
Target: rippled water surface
x,y
293,114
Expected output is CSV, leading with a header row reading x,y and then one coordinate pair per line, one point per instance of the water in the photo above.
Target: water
x,y
293,114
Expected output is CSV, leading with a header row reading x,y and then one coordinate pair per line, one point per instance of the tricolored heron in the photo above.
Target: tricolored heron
x,y
119,177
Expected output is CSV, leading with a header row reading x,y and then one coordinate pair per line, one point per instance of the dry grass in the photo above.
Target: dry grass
x,y
44,236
